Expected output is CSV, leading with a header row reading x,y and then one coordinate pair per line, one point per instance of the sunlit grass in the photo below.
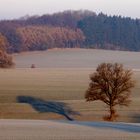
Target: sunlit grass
x,y
66,85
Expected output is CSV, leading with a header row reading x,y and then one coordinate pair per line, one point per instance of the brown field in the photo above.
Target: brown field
x,y
62,76
63,85
66,83
76,58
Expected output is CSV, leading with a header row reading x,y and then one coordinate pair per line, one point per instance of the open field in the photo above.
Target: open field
x,y
76,58
65,84
55,130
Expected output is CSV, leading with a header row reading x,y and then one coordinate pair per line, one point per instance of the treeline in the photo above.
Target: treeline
x,y
44,32
71,29
62,19
44,37
108,32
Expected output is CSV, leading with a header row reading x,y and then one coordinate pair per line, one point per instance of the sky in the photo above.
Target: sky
x,y
12,9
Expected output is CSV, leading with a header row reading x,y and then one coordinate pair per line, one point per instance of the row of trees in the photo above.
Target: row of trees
x,y
99,31
61,19
45,37
108,32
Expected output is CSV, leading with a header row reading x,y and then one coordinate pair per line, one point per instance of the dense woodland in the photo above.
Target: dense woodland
x,y
70,29
45,37
108,32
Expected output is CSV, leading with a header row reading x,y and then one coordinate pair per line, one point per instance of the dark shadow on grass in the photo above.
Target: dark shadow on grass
x,y
43,106
136,118
133,128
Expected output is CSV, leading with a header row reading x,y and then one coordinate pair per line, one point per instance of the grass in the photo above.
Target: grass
x,y
64,130
62,84
50,84
63,75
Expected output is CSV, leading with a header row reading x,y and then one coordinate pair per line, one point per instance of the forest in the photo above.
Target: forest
x,y
70,29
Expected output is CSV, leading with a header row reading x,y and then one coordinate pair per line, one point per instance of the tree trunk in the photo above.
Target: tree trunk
x,y
112,113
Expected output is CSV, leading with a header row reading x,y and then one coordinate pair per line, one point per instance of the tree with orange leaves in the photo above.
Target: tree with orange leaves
x,y
111,84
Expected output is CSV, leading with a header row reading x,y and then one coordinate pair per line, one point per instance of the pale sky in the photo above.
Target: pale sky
x,y
10,9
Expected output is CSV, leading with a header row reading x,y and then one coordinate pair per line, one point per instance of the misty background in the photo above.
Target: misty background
x,y
11,9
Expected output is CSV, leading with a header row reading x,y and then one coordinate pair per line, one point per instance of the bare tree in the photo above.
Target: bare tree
x,y
111,84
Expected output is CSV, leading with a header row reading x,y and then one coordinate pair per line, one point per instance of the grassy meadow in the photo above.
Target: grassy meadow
x,y
63,76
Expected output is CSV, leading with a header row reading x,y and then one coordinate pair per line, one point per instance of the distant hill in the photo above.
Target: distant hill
x,y
71,29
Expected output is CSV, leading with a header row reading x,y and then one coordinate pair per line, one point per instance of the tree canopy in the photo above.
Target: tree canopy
x,y
5,59
98,30
111,84
107,32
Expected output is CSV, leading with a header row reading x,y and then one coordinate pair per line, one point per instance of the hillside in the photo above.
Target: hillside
x,y
71,29
76,58
61,78
54,130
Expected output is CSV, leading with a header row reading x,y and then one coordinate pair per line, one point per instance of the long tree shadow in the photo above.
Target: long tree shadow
x,y
43,106
133,128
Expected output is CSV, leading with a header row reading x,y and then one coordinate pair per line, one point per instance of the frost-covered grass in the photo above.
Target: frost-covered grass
x,y
63,75
56,130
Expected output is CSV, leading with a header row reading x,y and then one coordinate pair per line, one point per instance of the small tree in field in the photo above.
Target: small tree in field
x,y
5,60
111,84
